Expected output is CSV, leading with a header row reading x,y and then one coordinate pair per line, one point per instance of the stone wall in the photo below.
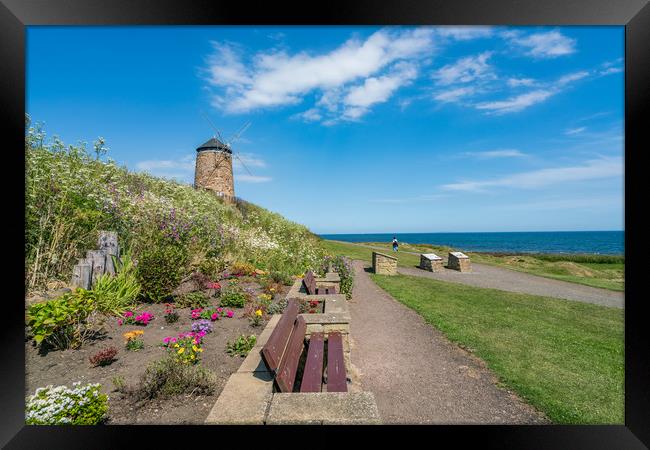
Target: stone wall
x,y
214,172
384,264
459,261
431,264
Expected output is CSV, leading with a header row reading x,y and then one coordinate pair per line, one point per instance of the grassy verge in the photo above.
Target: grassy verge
x,y
565,358
363,253
599,271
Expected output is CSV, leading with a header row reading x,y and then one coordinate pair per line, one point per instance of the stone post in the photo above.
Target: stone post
x,y
97,260
108,242
81,274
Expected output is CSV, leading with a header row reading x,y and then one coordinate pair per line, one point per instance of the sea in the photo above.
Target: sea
x,y
594,242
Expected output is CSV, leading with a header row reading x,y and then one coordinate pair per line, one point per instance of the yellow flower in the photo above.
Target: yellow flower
x,y
258,312
181,350
195,348
176,345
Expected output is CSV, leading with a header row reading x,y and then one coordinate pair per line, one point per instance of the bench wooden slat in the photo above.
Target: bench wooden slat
x,y
310,283
312,377
286,374
274,347
336,377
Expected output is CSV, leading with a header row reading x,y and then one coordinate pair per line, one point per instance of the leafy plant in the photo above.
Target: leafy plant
x,y
169,376
103,357
81,405
242,346
342,266
160,270
278,308
233,296
62,323
132,342
281,278
118,383
186,348
193,300
242,269
171,315
115,294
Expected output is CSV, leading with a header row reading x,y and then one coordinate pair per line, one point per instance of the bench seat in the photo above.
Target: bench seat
x,y
284,350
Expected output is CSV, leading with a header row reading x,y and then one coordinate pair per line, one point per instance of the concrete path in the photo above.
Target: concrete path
x,y
487,276
416,374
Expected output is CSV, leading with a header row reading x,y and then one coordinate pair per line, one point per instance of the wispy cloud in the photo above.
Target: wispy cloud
x,y
573,131
493,154
605,167
464,70
464,33
516,103
243,178
454,95
516,82
277,78
550,44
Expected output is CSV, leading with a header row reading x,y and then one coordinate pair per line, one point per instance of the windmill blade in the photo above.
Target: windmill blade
x,y
238,134
242,163
212,125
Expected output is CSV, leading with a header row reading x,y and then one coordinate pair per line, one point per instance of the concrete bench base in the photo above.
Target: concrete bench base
x,y
323,408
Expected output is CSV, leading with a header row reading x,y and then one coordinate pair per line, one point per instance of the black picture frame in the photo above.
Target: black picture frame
x,y
15,15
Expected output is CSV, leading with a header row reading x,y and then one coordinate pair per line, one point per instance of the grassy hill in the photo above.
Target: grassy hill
x,y
71,193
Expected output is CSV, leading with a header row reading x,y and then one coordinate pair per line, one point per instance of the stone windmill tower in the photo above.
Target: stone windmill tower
x,y
213,170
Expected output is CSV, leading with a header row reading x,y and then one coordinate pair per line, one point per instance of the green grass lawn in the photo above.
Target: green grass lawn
x,y
572,268
355,251
565,358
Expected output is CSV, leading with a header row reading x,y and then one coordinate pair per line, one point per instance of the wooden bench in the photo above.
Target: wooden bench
x,y
284,348
309,281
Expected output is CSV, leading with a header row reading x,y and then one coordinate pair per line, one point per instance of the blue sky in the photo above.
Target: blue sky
x,y
358,129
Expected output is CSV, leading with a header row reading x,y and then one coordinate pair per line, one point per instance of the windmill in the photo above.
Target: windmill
x,y
214,162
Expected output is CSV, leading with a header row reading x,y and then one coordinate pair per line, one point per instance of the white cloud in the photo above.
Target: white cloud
x,y
465,70
252,178
528,99
569,78
572,131
516,82
249,159
454,95
278,78
376,90
464,33
605,167
505,153
516,103
549,44
611,70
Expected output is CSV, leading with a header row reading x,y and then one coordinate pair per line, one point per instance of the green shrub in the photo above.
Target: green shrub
x,y
241,346
233,296
62,323
242,268
81,405
278,308
211,267
342,266
193,300
169,376
281,277
116,294
160,270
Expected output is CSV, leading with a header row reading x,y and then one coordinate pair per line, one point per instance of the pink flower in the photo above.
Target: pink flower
x,y
167,339
119,322
219,309
214,316
128,314
230,314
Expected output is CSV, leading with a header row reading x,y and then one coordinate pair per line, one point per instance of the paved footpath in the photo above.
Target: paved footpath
x,y
487,276
415,373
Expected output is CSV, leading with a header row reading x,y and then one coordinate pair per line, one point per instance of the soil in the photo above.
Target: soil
x,y
65,367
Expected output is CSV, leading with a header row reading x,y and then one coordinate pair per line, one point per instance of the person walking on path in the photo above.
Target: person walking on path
x,y
395,244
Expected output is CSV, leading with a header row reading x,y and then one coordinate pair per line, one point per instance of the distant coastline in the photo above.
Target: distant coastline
x,y
563,242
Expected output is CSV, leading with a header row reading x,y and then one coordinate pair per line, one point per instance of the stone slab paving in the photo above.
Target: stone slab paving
x,y
416,375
